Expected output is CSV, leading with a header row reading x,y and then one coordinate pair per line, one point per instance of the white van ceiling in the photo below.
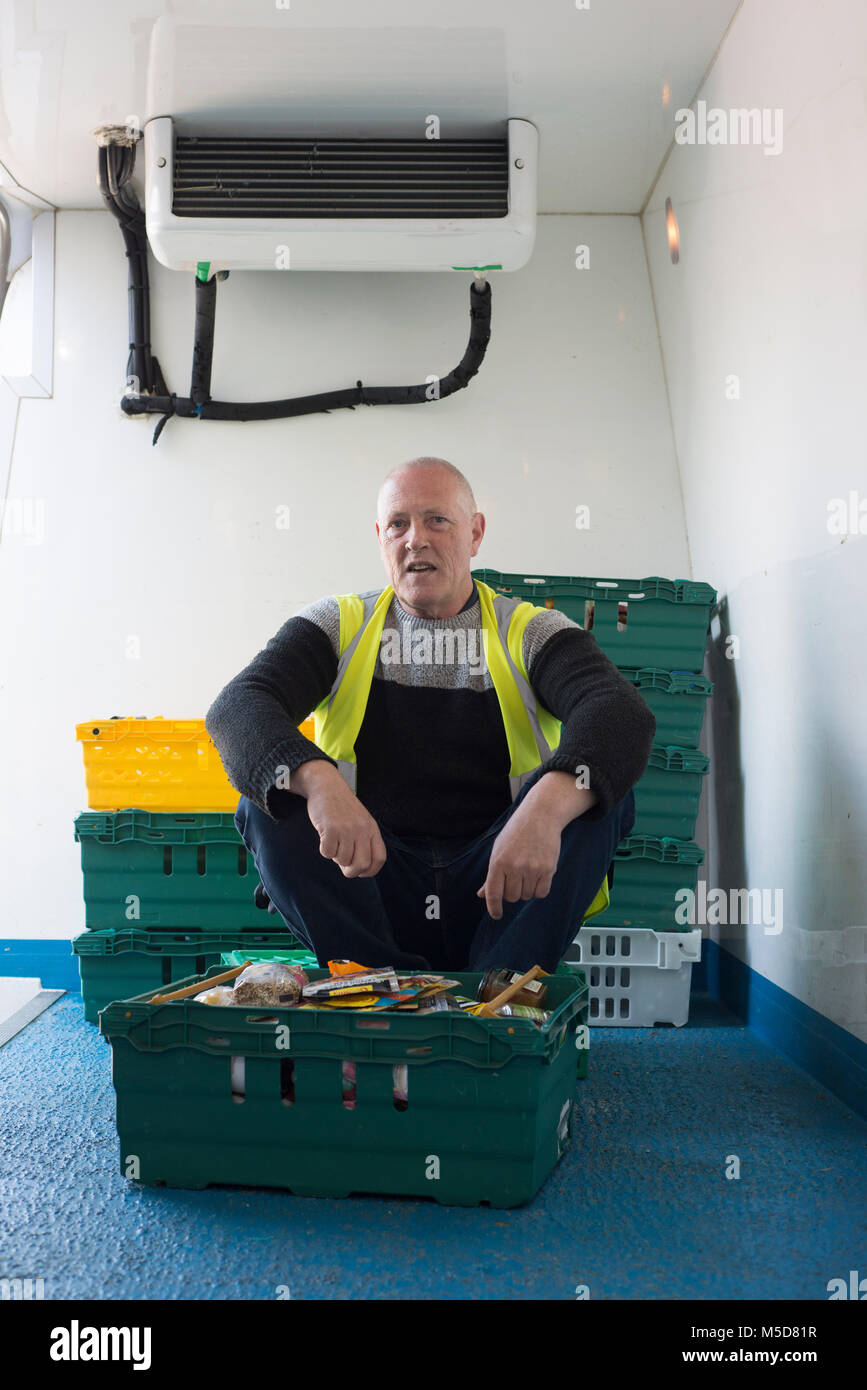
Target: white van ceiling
x,y
602,83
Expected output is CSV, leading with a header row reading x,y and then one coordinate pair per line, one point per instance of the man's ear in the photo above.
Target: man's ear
x,y
478,531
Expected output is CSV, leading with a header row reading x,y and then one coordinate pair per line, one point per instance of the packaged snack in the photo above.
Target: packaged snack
x,y
351,1001
270,982
218,994
335,985
437,1003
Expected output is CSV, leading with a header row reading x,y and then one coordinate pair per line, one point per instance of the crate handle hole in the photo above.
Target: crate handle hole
x,y
381,1023
589,606
348,1085
200,859
238,1073
400,1085
287,1080
167,859
219,1042
418,1051
622,615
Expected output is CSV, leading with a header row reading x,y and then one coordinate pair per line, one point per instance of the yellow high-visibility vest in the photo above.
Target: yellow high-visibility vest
x,y
532,732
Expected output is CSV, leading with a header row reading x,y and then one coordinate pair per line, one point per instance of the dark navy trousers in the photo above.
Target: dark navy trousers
x,y
421,910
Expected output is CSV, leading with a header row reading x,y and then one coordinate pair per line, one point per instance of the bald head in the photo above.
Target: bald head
x,y
429,529
462,491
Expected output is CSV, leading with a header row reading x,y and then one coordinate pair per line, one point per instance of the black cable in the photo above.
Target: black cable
x,y
203,340
456,380
132,225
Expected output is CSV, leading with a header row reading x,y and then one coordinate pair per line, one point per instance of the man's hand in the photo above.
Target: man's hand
x,y
347,831
526,852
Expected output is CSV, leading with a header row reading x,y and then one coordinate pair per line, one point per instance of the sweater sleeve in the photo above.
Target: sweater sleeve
x,y
607,726
254,719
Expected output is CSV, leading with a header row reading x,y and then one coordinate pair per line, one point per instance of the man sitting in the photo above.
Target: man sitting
x,y
474,759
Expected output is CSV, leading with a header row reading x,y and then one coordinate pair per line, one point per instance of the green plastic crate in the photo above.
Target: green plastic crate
x,y
677,699
116,964
665,623
667,795
163,869
490,1101
648,872
300,957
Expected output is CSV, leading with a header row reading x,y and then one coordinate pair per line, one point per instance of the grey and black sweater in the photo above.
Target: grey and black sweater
x,y
432,757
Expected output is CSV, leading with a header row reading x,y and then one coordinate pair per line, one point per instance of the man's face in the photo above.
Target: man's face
x,y
427,540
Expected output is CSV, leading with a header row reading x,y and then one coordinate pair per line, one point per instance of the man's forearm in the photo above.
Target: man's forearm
x,y
557,797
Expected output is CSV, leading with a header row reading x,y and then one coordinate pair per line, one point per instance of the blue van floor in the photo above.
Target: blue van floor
x,y
639,1208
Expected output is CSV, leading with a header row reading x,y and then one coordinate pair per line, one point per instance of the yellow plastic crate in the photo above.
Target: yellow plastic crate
x,y
155,765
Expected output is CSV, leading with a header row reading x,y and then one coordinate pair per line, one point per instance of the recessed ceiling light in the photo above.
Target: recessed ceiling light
x,y
673,232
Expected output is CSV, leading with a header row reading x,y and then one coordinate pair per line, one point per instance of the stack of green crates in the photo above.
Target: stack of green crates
x,y
166,894
654,630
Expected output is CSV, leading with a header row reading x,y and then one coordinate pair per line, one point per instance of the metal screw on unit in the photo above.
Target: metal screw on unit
x,y
519,163
161,163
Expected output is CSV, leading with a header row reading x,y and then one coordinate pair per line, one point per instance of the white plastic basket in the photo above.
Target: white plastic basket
x,y
638,977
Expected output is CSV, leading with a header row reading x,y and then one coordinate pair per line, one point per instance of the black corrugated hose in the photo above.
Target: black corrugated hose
x,y
116,164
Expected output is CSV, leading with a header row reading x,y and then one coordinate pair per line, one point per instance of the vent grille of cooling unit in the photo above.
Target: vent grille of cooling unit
x,y
290,178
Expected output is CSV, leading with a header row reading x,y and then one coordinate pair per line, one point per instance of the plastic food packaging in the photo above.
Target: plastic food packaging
x,y
270,982
218,994
438,1003
370,982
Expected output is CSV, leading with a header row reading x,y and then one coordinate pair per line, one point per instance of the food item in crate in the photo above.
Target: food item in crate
x,y
218,994
523,1011
270,982
495,981
345,967
370,982
436,1003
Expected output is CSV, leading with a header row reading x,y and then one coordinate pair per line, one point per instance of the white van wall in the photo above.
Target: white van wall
x,y
763,333
161,571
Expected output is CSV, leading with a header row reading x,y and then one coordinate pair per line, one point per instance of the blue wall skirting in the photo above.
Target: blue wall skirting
x,y
834,1057
49,960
